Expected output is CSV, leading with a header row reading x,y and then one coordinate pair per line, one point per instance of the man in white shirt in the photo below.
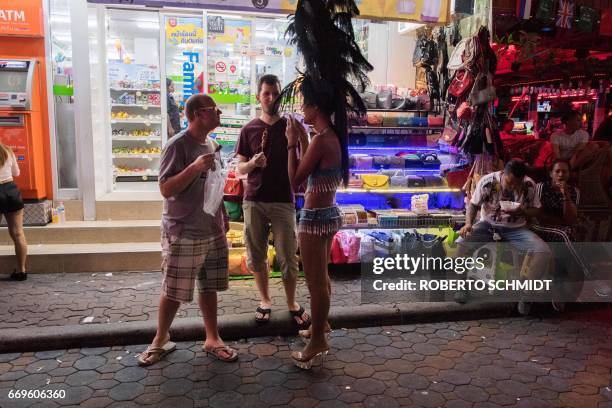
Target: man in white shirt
x,y
513,185
570,141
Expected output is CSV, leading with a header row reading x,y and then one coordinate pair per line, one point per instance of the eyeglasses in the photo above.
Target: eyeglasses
x,y
212,108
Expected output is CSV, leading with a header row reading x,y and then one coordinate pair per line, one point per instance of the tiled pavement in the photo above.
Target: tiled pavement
x,y
63,299
526,362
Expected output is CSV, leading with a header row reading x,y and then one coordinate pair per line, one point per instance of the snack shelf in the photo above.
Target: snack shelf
x,y
137,174
137,139
136,156
135,89
134,105
137,121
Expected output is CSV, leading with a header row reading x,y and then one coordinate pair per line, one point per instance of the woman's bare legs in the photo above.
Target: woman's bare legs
x,y
314,250
15,227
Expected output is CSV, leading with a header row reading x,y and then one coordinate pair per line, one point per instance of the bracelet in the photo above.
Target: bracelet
x,y
291,147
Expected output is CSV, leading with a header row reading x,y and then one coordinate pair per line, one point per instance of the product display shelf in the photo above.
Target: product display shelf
x,y
138,174
433,220
145,122
377,128
396,190
135,90
401,111
136,139
136,105
136,156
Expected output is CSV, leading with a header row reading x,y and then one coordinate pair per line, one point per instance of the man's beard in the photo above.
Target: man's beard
x,y
270,110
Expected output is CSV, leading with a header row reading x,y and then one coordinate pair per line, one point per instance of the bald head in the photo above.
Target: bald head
x,y
196,102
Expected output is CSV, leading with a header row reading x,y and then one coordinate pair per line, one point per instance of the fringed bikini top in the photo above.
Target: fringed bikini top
x,y
324,180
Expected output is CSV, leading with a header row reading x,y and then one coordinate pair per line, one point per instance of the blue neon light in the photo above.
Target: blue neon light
x,y
396,148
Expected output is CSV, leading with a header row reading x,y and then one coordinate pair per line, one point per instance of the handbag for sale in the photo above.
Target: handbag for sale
x,y
433,139
605,24
412,160
455,61
234,210
485,95
415,181
465,111
462,82
435,121
233,187
381,162
399,179
363,161
337,254
375,119
355,182
384,100
369,99
457,178
430,160
448,134
375,181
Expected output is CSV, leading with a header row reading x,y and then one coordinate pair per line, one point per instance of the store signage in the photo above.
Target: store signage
x,y
193,58
220,66
410,10
216,25
21,18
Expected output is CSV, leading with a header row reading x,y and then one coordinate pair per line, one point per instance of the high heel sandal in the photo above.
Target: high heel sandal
x,y
306,363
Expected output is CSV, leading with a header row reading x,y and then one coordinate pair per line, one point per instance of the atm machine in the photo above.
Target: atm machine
x,y
19,117
23,129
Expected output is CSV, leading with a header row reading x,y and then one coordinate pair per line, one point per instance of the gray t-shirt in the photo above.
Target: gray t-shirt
x,y
183,216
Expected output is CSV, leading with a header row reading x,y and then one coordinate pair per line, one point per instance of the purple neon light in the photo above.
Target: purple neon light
x,y
411,169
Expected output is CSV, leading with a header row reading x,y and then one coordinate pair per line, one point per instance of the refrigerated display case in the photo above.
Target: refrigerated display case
x,y
134,95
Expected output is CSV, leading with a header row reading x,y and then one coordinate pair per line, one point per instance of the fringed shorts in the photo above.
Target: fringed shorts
x,y
319,221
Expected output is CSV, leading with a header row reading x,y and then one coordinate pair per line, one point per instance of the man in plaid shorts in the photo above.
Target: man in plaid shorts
x,y
194,247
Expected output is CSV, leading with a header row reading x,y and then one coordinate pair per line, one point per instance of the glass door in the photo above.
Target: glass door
x,y
132,53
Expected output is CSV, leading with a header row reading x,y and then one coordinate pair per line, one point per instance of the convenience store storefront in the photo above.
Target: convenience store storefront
x,y
116,96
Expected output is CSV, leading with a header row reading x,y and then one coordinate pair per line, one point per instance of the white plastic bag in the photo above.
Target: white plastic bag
x,y
213,189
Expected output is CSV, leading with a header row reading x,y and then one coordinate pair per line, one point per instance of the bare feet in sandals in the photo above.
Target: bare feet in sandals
x,y
221,351
301,318
156,352
306,333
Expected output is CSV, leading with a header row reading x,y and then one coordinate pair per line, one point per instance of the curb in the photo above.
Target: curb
x,y
237,326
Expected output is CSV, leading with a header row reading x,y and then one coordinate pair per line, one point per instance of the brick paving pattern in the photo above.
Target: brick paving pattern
x,y
63,299
565,361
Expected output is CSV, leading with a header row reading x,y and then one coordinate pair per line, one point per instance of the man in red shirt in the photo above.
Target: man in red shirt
x,y
269,200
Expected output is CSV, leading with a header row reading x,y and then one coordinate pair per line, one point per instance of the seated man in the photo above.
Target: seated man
x,y
511,184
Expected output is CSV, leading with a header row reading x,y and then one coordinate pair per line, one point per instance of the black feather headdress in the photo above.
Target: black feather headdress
x,y
335,70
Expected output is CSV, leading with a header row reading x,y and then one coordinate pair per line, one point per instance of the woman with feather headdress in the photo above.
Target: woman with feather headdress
x,y
323,33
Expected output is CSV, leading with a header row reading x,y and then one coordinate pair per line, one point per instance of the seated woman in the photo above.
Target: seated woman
x,y
557,201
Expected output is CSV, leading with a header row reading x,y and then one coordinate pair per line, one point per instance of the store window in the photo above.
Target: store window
x,y
133,74
63,100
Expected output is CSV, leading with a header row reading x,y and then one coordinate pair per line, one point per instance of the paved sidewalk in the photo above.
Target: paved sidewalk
x,y
564,361
66,299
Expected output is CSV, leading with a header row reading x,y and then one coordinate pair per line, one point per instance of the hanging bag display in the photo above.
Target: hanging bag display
x,y
233,187
462,83
486,94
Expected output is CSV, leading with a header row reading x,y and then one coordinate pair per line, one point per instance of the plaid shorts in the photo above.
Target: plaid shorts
x,y
187,260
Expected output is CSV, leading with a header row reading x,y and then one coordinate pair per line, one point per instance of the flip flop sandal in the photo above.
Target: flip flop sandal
x,y
300,313
264,312
153,354
233,354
